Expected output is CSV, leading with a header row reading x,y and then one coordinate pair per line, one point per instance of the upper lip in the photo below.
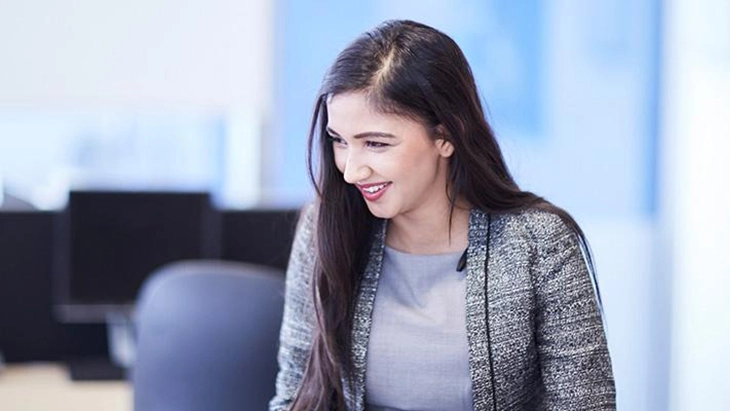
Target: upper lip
x,y
372,184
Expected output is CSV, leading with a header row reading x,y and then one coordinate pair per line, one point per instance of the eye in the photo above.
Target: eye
x,y
336,140
376,144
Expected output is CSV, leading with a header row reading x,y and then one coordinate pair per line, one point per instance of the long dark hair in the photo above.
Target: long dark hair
x,y
412,70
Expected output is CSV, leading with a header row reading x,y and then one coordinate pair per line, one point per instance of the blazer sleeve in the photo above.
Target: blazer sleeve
x,y
295,338
571,342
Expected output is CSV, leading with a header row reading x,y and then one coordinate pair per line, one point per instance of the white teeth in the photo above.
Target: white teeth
x,y
374,189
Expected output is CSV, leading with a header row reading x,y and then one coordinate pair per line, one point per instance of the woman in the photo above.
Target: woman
x,y
423,278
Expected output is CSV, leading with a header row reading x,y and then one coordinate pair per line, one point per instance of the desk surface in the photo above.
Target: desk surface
x,y
42,387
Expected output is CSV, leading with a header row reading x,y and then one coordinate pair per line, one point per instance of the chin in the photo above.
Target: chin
x,y
380,212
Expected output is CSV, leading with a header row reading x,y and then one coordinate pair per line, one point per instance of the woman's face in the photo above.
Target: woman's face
x,y
399,169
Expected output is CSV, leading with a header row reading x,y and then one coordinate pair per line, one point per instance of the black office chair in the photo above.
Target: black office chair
x,y
207,337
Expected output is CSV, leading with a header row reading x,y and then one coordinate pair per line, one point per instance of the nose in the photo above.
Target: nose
x,y
355,168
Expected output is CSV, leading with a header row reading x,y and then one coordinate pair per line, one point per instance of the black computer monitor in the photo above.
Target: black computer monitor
x,y
258,236
28,331
108,243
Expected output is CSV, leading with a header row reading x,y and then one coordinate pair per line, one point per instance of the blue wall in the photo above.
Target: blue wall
x,y
567,89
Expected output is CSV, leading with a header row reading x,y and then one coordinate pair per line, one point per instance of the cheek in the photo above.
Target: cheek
x,y
420,162
421,169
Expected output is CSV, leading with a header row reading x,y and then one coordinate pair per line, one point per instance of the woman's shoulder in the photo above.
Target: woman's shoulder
x,y
302,254
306,225
533,225
307,215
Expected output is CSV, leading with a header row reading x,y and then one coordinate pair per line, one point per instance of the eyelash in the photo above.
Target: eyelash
x,y
371,144
376,144
334,140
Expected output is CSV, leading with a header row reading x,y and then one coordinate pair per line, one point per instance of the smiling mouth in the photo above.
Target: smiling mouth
x,y
373,192
374,189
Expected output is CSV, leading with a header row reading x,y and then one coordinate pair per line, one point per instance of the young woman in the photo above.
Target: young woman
x,y
422,277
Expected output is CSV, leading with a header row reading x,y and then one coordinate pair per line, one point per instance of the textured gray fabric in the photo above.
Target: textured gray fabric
x,y
544,349
418,354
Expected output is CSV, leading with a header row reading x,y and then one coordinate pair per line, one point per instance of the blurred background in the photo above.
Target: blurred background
x,y
618,111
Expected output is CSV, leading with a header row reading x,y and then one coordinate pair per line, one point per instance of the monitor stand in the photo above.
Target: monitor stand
x,y
120,333
95,369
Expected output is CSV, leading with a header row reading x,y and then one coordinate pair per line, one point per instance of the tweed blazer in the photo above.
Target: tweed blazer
x,y
535,336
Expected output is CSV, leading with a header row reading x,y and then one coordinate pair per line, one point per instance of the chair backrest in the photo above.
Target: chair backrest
x,y
207,337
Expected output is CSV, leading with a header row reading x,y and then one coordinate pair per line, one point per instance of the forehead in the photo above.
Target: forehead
x,y
353,112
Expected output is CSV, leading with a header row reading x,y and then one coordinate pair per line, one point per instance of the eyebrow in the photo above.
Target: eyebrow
x,y
363,134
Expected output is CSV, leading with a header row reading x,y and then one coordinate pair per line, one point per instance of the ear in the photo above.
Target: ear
x,y
443,145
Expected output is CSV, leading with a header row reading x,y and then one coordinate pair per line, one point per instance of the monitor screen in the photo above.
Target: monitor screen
x,y
109,243
259,236
28,331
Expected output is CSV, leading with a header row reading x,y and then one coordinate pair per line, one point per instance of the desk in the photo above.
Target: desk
x,y
46,386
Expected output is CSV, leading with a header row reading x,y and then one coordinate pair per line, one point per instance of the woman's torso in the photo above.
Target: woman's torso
x,y
418,354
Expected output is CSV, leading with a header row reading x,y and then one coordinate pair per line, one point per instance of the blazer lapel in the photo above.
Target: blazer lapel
x,y
362,319
476,314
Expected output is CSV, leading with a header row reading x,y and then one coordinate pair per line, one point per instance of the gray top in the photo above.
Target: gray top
x,y
536,339
418,357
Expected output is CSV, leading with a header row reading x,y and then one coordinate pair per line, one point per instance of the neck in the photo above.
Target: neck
x,y
430,233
